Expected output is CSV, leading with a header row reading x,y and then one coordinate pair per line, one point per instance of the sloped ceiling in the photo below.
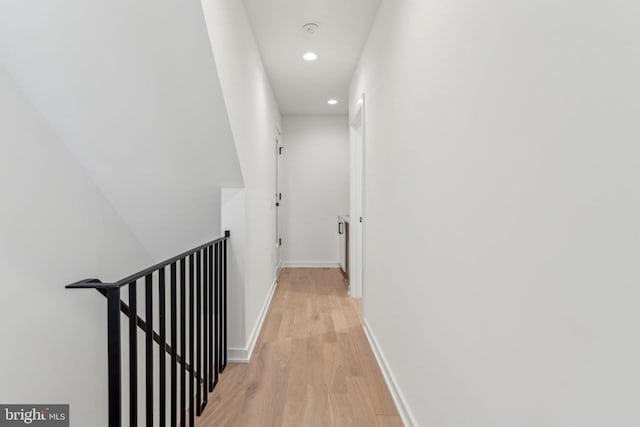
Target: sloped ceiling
x,y
131,88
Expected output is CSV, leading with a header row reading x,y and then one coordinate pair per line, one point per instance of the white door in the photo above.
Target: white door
x,y
277,199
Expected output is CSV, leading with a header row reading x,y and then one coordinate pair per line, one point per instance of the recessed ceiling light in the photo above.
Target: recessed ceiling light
x,y
310,56
332,102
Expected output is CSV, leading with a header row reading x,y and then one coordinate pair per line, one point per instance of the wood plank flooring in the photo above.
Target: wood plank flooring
x,y
312,365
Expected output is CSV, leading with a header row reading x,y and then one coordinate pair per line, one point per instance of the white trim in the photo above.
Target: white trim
x,y
243,355
310,264
237,355
398,398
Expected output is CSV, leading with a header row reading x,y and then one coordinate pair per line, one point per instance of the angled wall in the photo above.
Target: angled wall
x,y
56,227
131,89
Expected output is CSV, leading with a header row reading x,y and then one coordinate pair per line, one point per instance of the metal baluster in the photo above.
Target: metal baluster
x,y
191,338
198,313
148,308
183,343
113,357
205,332
217,304
174,346
163,339
133,355
212,372
224,302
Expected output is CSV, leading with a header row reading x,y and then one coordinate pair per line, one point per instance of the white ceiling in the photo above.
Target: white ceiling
x,y
303,87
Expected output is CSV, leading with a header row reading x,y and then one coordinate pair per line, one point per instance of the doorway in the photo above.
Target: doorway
x,y
277,202
357,201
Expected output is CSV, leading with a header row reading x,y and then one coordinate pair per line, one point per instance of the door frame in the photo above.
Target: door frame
x,y
357,230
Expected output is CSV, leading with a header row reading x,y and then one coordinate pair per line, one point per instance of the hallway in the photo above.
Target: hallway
x,y
312,365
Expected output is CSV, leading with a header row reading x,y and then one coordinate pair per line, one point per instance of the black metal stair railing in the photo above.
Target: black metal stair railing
x,y
198,278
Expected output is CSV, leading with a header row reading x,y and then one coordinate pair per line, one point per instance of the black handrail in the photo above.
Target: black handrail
x,y
206,271
98,284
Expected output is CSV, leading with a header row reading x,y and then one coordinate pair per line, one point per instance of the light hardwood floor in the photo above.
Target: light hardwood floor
x,y
312,365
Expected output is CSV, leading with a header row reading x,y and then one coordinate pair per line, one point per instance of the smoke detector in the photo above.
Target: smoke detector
x,y
310,28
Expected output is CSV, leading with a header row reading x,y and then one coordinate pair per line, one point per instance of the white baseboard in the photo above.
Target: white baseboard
x,y
401,403
310,264
243,355
237,355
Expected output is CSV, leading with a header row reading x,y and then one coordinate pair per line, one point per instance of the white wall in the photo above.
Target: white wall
x,y
234,219
315,187
56,227
502,209
254,118
131,89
